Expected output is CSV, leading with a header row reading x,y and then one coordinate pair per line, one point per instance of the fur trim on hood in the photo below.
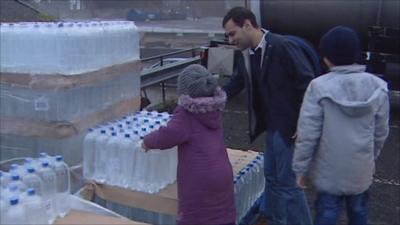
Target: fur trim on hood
x,y
204,104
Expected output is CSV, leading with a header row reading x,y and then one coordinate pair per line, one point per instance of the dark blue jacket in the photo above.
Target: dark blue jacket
x,y
285,75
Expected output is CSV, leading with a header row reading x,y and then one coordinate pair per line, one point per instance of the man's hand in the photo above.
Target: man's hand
x,y
294,135
301,181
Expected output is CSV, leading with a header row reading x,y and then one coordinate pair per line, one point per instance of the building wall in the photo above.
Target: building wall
x,y
117,9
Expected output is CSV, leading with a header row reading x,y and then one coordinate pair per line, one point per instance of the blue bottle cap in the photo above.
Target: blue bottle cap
x,y
14,200
31,191
59,158
30,170
15,177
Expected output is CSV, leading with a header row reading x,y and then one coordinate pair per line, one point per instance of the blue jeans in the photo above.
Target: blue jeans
x,y
285,202
329,207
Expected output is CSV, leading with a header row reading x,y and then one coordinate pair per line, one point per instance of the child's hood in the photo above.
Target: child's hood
x,y
355,92
206,109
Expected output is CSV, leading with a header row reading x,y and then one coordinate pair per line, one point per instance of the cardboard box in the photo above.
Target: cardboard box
x,y
79,217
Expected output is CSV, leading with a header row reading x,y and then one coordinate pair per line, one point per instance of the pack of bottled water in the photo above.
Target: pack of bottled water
x,y
55,105
66,48
36,192
249,185
112,154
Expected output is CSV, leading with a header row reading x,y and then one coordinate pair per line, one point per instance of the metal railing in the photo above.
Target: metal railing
x,y
163,56
166,72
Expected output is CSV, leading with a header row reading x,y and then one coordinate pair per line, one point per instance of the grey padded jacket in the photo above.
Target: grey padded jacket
x,y
343,124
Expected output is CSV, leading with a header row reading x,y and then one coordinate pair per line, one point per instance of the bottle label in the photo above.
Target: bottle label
x,y
41,104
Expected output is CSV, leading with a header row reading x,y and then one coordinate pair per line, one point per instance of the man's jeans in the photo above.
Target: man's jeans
x,y
329,208
285,202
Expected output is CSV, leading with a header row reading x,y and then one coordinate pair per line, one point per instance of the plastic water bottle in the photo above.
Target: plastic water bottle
x,y
35,212
89,154
32,180
139,173
172,164
4,179
44,157
15,213
63,186
237,197
28,163
101,156
16,180
17,169
127,154
154,177
114,157
240,193
3,209
10,191
49,190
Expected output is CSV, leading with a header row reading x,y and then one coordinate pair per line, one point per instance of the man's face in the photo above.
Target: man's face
x,y
237,35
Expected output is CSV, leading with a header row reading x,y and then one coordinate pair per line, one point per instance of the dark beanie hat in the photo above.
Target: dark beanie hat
x,y
196,81
341,46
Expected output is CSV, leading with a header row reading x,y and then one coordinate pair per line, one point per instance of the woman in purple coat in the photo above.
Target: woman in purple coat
x,y
204,176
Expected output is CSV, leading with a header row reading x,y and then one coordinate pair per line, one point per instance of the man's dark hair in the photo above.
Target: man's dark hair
x,y
239,15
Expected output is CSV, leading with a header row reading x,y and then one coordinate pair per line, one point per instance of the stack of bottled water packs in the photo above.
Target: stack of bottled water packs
x,y
36,192
112,154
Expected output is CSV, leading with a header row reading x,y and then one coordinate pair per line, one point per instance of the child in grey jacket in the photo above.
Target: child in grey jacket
x,y
342,127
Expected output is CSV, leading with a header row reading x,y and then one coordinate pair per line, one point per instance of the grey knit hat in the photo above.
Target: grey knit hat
x,y
196,81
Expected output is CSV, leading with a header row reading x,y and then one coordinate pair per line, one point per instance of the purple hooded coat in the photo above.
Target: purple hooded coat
x,y
204,176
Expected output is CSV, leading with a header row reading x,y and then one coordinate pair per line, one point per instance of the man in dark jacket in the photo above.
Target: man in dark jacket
x,y
275,73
